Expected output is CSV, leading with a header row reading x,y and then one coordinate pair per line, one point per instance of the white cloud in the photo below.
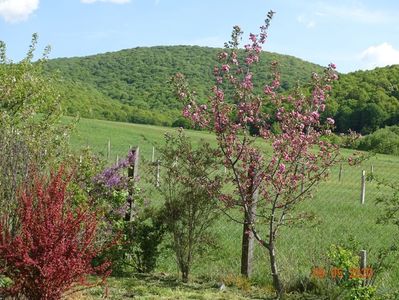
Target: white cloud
x,y
309,23
109,1
14,11
380,56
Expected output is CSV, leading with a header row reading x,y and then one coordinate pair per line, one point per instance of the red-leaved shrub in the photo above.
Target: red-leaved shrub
x,y
54,244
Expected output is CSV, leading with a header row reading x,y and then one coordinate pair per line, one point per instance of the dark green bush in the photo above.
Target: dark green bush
x,y
138,247
385,140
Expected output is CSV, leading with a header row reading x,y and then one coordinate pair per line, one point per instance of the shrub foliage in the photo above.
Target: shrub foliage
x,y
54,244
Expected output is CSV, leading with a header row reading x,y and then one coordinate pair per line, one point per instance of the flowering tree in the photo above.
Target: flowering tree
x,y
299,159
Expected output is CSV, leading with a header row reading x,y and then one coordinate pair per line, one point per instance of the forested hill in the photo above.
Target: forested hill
x,y
366,100
132,85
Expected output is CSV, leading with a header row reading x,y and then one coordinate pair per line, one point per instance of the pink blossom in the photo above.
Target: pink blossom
x,y
249,60
315,115
286,156
225,68
247,82
268,90
223,55
330,121
220,94
252,37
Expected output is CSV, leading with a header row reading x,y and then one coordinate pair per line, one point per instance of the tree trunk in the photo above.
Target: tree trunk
x,y
247,249
184,273
275,274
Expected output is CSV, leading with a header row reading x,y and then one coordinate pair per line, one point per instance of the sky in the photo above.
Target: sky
x,y
358,34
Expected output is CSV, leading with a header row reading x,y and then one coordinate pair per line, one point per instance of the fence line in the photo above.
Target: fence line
x,y
335,201
120,151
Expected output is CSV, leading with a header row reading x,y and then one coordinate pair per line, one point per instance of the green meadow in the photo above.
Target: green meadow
x,y
339,217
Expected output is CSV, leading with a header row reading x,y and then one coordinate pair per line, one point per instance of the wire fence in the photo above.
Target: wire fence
x,y
344,207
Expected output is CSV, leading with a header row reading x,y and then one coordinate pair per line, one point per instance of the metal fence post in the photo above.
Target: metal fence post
x,y
363,187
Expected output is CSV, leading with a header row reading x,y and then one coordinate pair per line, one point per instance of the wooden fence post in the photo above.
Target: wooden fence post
x,y
157,176
363,187
340,173
153,155
363,264
109,150
363,259
132,172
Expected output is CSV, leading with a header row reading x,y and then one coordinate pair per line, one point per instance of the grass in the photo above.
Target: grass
x,y
163,286
340,216
97,133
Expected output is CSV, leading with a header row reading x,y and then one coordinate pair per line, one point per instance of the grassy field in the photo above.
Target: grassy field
x,y
340,217
162,286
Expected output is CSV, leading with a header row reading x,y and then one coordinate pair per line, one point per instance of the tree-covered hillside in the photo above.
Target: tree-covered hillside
x,y
364,101
132,85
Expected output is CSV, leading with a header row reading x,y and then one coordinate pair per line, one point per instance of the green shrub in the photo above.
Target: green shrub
x,y
385,140
138,247
345,261
190,189
31,132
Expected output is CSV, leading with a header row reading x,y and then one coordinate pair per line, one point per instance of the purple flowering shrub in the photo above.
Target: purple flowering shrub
x,y
111,186
113,177
137,248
